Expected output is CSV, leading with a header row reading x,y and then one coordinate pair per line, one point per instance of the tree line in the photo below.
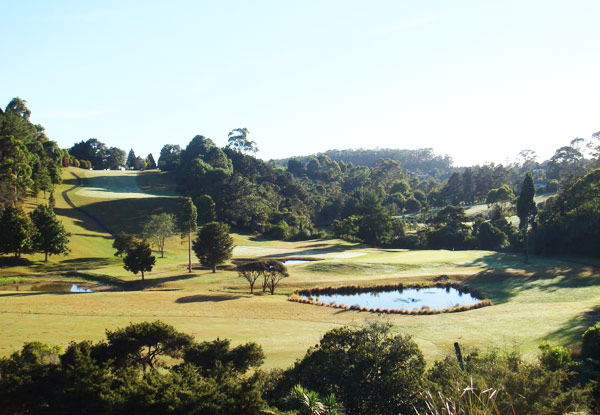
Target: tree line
x,y
151,368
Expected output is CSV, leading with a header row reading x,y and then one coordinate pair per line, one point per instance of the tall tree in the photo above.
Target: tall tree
x,y
206,209
139,258
169,158
213,245
15,231
130,163
50,236
114,158
238,140
526,210
15,170
158,228
92,150
188,225
150,163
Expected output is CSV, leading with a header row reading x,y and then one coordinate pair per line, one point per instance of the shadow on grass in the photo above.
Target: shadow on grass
x,y
12,261
123,215
572,330
508,274
206,298
323,248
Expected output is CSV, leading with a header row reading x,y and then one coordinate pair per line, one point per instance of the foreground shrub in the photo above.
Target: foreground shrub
x,y
145,368
522,388
369,370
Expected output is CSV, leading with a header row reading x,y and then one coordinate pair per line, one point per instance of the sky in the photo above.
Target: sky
x,y
477,80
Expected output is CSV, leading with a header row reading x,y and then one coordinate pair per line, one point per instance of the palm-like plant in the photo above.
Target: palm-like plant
x,y
311,405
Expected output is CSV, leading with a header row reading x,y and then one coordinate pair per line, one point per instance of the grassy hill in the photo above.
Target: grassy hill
x,y
544,300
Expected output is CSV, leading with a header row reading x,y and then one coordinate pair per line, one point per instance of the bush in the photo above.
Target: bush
x,y
371,371
590,347
279,231
523,388
555,357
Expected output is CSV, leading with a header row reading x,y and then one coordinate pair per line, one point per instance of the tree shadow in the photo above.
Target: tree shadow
x,y
572,330
507,275
73,263
12,261
139,285
206,298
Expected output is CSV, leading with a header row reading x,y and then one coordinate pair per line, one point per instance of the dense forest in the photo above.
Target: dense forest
x,y
395,198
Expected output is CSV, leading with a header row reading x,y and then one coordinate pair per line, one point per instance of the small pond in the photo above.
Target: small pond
x,y
434,298
57,287
295,261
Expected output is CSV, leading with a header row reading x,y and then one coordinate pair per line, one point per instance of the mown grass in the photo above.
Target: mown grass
x,y
544,300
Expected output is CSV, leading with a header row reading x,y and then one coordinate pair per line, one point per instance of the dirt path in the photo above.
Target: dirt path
x,y
65,196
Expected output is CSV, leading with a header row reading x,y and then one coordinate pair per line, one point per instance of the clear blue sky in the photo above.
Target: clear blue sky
x,y
478,80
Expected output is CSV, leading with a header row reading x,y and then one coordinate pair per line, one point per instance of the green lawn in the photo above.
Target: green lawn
x,y
544,300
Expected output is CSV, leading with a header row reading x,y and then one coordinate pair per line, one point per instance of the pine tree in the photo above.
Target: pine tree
x,y
213,245
526,210
130,163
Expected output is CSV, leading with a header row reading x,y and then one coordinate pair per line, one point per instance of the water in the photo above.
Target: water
x,y
294,261
56,288
434,298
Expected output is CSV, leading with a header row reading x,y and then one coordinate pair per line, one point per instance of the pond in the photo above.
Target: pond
x,y
295,261
433,298
57,287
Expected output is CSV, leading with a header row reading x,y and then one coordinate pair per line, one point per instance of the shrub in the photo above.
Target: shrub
x,y
590,347
555,357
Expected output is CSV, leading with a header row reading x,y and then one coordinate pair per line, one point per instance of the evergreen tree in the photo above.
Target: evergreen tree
x,y
139,258
213,245
130,163
526,210
150,163
15,231
50,236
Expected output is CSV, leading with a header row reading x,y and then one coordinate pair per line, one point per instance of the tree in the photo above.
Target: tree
x,y
91,150
150,163
274,272
139,258
130,163
169,157
16,231
139,163
114,159
371,371
50,236
526,210
490,237
213,245
206,209
238,140
188,225
216,356
251,272
158,228
142,344
15,170
123,243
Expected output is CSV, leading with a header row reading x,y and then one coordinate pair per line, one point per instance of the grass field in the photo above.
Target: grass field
x,y
542,301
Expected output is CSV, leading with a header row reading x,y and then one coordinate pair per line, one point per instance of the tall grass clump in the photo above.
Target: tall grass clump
x,y
471,401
